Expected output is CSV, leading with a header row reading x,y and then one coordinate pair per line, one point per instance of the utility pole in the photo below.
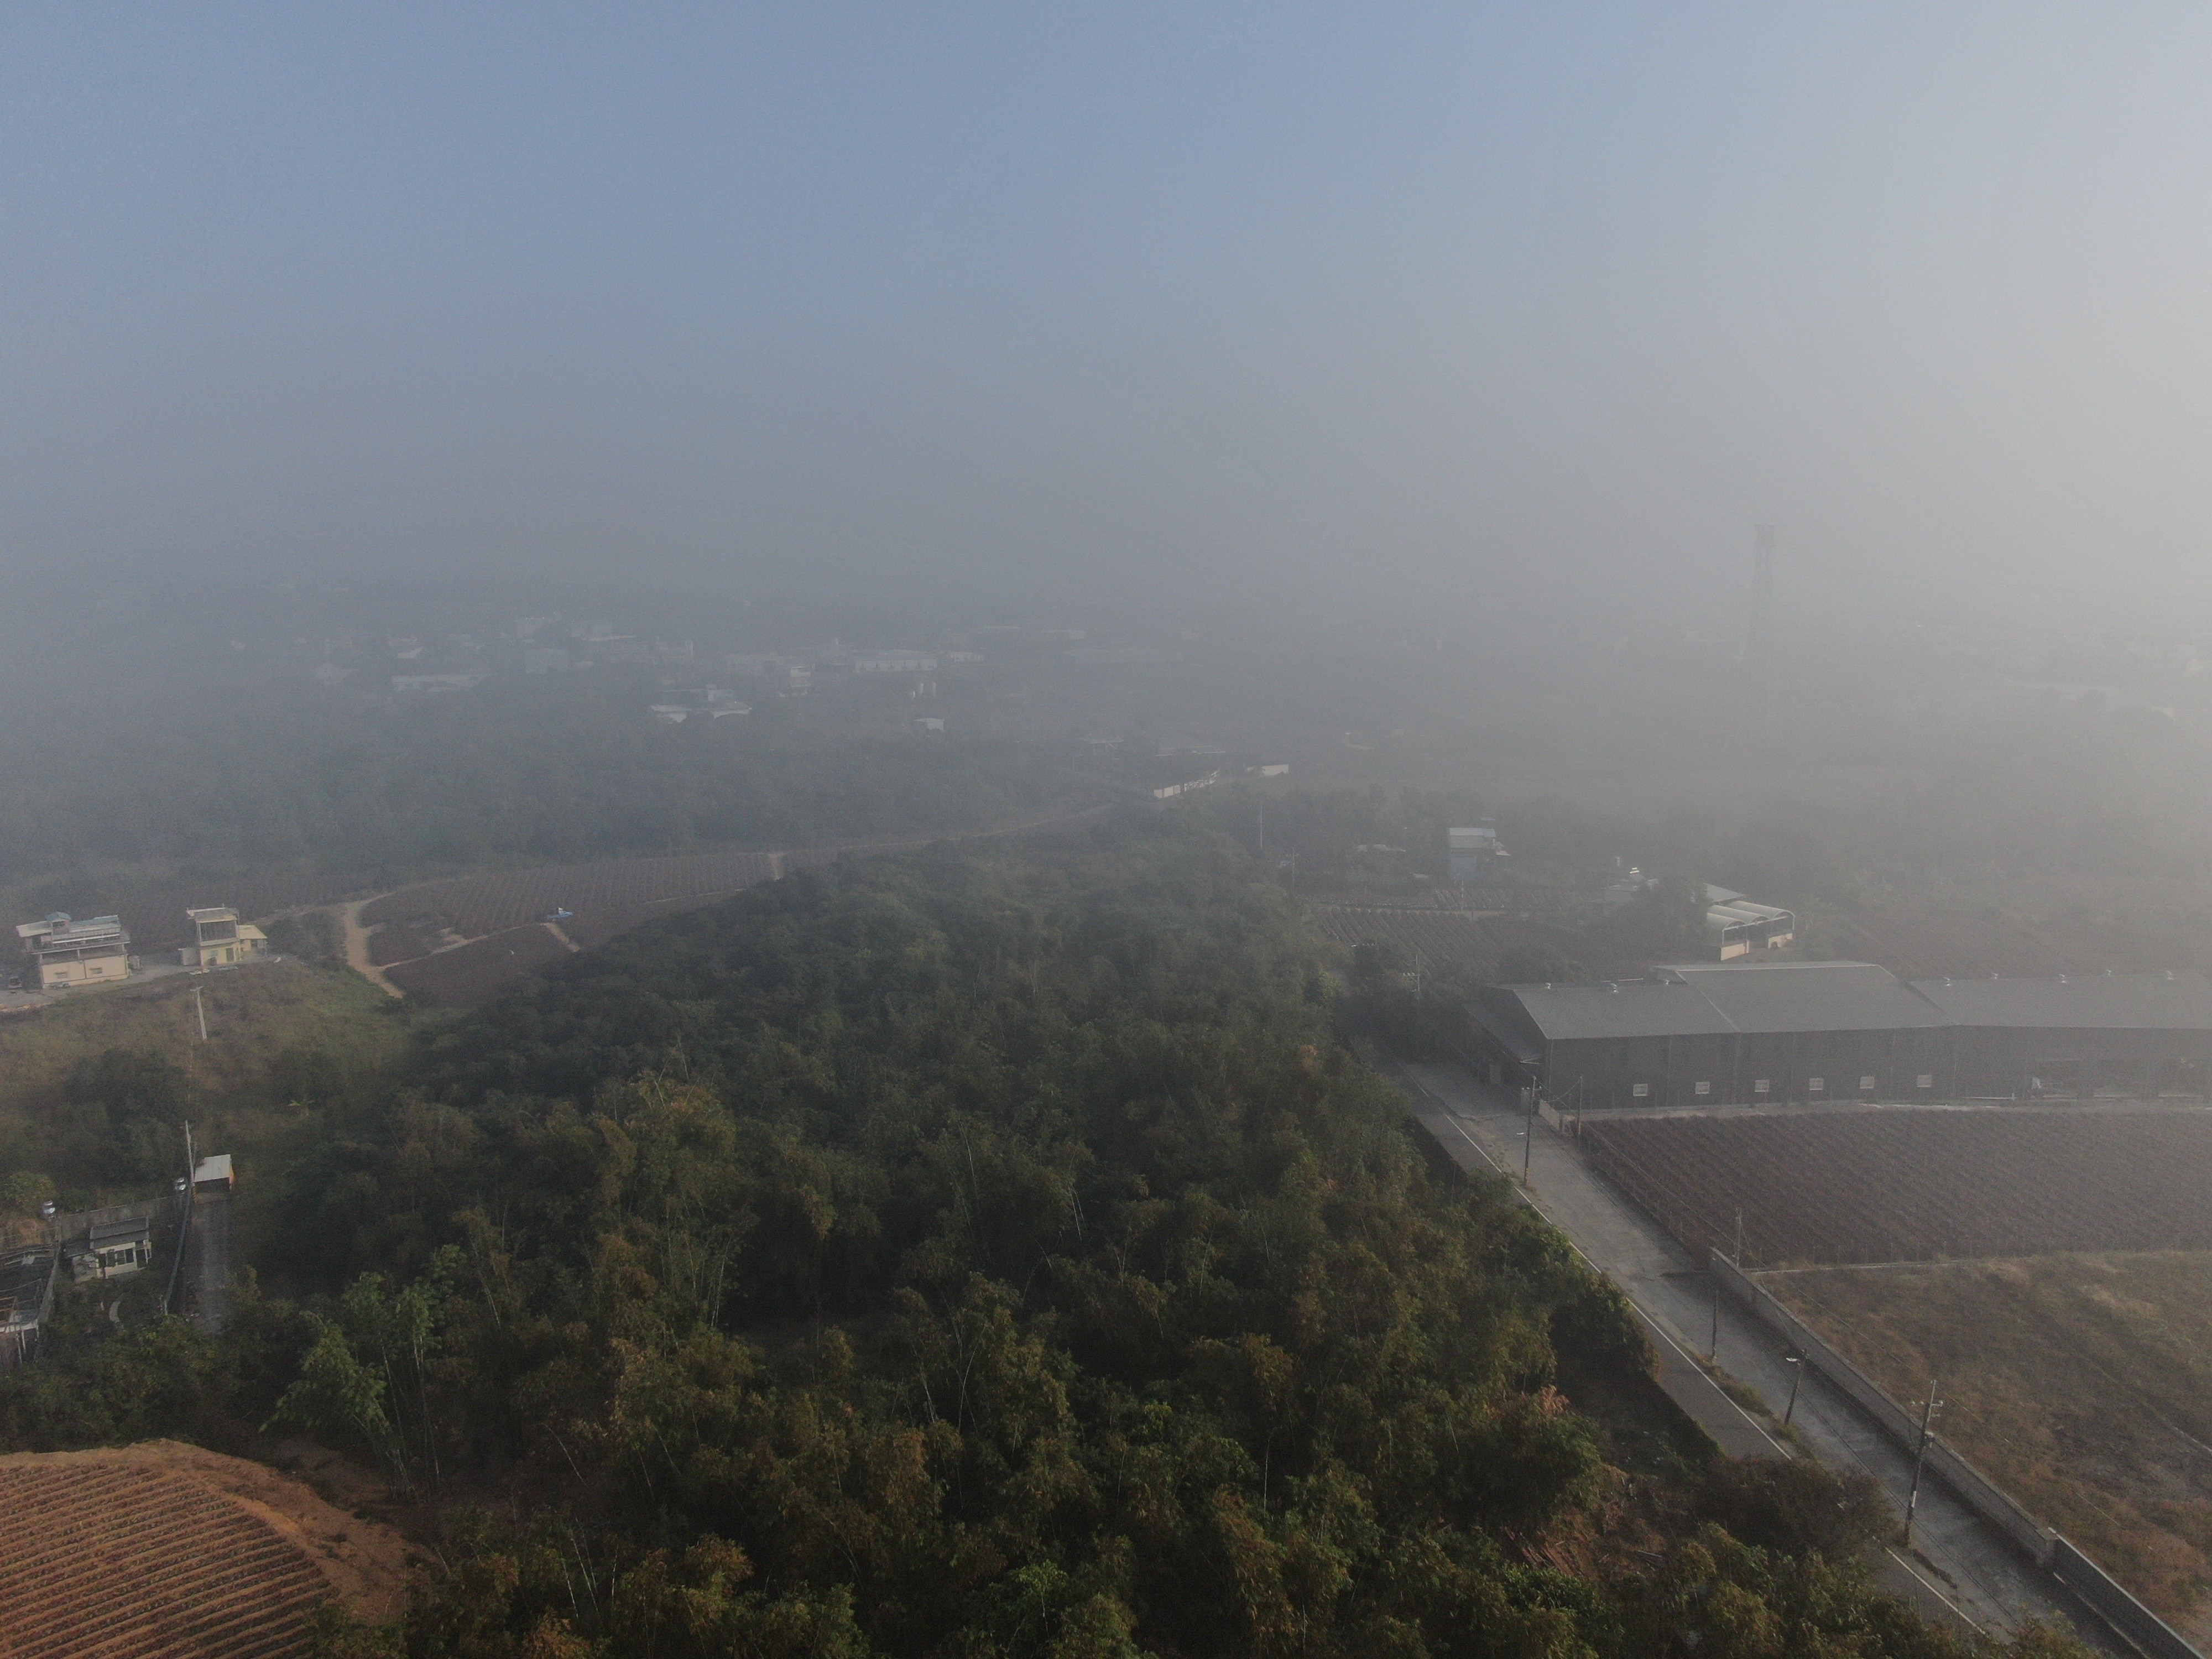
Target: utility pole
x,y
1713,1342
1528,1137
1797,1363
1738,1257
1263,826
1919,1458
200,1008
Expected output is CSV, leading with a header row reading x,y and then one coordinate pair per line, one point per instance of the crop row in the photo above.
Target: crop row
x,y
1905,1185
135,1563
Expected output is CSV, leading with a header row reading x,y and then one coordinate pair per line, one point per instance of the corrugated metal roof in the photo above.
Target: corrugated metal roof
x,y
2127,1002
1638,1007
1712,998
1705,999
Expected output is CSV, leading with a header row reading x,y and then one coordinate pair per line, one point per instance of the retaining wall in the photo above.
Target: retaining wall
x,y
2114,1606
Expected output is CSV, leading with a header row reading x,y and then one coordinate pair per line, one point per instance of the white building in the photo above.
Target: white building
x,y
895,662
65,952
1736,927
220,939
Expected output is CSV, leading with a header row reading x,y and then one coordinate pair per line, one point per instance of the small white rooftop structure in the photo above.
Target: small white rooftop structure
x,y
1736,925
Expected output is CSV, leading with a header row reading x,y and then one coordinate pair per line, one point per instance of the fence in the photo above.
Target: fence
x,y
2090,1581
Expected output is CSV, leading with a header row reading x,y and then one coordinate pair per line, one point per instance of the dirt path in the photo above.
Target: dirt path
x,y
559,932
356,946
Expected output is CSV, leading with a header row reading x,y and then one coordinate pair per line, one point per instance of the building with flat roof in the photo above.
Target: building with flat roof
x,y
1473,849
895,662
110,1249
220,939
65,952
1706,1033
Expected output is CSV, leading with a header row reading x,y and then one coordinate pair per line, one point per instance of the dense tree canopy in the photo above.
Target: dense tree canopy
x,y
989,1253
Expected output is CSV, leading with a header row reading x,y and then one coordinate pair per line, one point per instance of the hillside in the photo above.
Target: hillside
x,y
95,1090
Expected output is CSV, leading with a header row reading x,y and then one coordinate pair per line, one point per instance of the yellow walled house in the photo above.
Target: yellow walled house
x,y
65,952
219,937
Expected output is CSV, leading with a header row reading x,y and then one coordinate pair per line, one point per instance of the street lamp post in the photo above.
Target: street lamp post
x,y
1797,1363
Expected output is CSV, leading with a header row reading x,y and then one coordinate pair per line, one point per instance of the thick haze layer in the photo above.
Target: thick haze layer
x,y
1446,300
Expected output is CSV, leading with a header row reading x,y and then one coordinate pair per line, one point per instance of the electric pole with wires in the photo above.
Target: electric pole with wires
x,y
1928,1409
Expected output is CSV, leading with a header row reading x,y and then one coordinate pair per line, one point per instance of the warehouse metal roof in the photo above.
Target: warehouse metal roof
x,y
2127,1002
1709,998
1718,1000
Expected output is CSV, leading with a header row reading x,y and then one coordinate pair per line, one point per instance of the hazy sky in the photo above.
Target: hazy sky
x,y
1328,296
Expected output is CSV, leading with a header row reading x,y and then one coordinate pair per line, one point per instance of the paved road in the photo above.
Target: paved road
x,y
207,1263
1982,1575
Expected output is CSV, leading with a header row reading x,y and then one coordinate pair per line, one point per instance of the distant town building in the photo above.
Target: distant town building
x,y
1117,656
784,673
219,938
1474,851
545,659
895,662
213,1174
669,714
406,683
65,952
929,723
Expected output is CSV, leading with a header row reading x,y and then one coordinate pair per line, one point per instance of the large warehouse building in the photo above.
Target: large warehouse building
x,y
1703,1034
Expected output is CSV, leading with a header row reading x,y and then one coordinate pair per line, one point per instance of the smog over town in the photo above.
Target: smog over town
x,y
1074,832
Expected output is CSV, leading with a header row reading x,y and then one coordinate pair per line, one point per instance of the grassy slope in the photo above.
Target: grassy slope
x,y
254,1016
2081,1384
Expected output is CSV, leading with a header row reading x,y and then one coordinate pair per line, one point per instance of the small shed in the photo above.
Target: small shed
x,y
213,1174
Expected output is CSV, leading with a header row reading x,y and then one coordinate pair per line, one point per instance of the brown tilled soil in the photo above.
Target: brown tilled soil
x,y
166,1551
481,969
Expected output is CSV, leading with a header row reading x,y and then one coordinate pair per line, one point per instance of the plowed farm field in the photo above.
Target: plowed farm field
x,y
481,969
474,906
1905,1185
164,1552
